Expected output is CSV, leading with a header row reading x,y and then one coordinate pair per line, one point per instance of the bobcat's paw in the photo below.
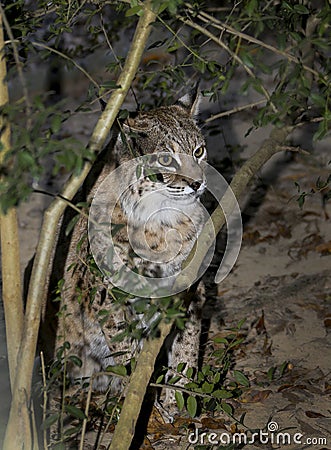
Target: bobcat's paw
x,y
167,411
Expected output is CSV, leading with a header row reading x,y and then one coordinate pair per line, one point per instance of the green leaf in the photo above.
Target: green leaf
x,y
191,406
241,323
241,378
135,10
251,7
206,370
66,345
179,400
189,372
301,9
283,368
77,361
217,377
174,379
163,6
219,340
141,305
271,373
181,367
123,114
180,323
71,224
287,6
110,84
296,36
117,370
73,430
247,60
56,123
301,199
159,379
222,393
75,412
150,173
49,421
318,99
25,159
138,171
191,385
207,388
236,343
227,408
59,446
322,129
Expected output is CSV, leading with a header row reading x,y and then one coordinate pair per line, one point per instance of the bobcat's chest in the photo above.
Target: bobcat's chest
x,y
158,233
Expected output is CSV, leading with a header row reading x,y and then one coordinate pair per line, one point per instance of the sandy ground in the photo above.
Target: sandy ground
x,y
280,285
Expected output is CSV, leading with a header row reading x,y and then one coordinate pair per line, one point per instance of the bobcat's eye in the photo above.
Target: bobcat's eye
x,y
199,152
165,160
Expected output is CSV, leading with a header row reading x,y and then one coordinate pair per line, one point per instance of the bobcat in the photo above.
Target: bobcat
x,y
159,201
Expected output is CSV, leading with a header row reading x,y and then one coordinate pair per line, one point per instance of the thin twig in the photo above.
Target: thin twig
x,y
234,110
64,56
87,407
19,64
180,388
307,122
175,33
297,149
224,27
228,17
75,13
43,372
88,402
233,54
116,59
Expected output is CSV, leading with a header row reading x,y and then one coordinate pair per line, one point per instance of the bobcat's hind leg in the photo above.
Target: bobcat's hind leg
x,y
185,348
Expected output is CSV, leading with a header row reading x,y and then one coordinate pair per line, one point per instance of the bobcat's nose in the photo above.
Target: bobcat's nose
x,y
195,185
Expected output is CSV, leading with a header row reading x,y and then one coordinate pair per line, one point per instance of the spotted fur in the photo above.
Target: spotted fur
x,y
165,216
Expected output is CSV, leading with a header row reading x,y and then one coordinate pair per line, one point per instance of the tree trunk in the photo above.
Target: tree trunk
x,y
10,258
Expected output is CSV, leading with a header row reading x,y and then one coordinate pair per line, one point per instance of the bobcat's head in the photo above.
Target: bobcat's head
x,y
169,149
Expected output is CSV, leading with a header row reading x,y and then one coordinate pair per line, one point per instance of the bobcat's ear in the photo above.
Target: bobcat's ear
x,y
191,101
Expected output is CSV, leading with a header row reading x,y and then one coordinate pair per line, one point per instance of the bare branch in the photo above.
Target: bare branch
x,y
234,110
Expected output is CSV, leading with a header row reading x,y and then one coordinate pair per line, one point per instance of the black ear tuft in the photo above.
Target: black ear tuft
x,y
191,101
